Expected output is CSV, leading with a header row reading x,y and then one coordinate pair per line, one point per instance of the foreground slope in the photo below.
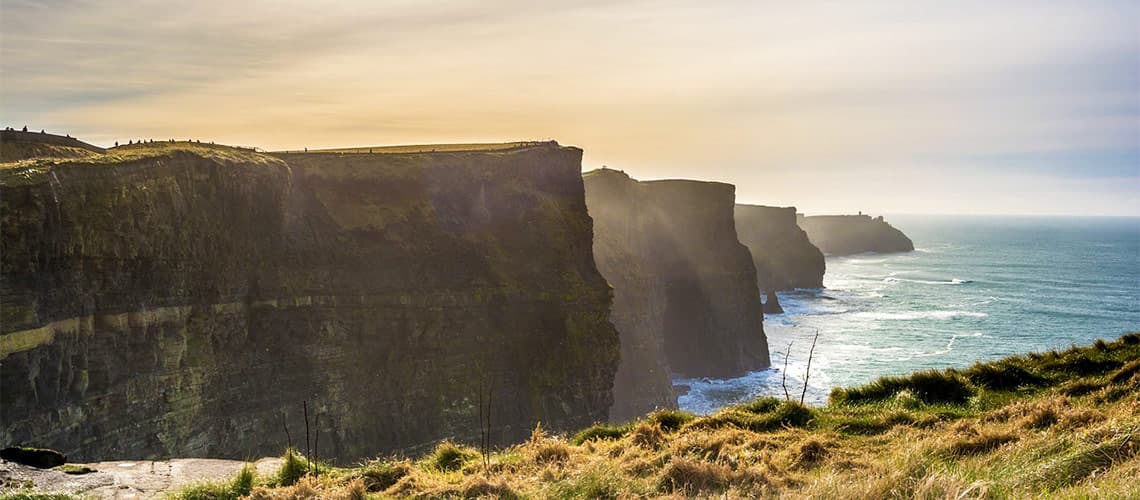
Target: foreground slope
x,y
176,299
1064,424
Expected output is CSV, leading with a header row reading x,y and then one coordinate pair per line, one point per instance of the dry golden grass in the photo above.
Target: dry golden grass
x,y
1026,442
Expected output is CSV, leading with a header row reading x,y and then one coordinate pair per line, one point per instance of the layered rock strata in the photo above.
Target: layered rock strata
x,y
183,300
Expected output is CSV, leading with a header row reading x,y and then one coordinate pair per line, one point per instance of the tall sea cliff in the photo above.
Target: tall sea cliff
x,y
185,300
685,294
851,234
784,256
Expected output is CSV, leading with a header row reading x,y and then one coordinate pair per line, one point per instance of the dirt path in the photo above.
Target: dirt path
x,y
139,479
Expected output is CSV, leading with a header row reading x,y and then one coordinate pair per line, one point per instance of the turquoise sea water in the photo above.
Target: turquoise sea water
x,y
975,289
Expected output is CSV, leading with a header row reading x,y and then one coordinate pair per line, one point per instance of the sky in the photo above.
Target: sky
x,y
909,106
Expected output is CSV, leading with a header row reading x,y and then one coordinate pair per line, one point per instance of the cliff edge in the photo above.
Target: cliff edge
x,y
685,293
184,300
853,234
784,256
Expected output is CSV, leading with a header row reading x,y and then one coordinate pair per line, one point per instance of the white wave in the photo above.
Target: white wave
x,y
954,281
906,316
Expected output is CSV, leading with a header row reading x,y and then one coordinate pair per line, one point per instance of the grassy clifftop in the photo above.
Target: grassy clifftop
x,y
1061,423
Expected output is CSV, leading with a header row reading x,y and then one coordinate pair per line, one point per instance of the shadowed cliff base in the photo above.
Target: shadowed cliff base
x,y
785,258
184,299
685,293
853,234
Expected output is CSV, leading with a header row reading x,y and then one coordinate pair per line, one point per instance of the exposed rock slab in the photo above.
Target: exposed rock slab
x,y
128,479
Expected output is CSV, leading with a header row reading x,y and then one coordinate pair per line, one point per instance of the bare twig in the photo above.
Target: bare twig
x,y
807,373
305,407
784,374
316,445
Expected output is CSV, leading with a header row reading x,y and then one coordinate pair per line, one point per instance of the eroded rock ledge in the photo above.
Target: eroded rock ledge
x,y
685,293
183,300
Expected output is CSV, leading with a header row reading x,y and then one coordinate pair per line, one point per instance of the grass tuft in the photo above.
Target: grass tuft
x,y
600,431
930,386
448,456
239,487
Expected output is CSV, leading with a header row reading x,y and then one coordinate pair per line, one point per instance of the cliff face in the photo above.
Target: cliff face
x,y
685,294
852,234
186,302
785,259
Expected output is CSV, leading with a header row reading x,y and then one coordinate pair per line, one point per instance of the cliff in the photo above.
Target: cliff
x,y
784,256
685,294
184,300
852,234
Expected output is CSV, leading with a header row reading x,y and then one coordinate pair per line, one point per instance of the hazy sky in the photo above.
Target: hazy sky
x,y
900,107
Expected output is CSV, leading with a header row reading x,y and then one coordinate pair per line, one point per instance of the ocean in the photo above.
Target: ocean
x,y
975,289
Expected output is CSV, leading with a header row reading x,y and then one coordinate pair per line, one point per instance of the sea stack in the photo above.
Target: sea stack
x,y
853,234
185,300
784,256
685,294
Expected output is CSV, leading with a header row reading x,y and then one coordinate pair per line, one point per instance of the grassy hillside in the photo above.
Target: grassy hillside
x,y
429,148
1061,423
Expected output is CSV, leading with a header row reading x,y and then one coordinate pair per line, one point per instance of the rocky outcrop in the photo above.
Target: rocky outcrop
x,y
785,258
685,294
853,234
184,300
772,303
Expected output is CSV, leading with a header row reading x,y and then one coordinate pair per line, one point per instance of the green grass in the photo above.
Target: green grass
x,y
1059,424
74,469
239,487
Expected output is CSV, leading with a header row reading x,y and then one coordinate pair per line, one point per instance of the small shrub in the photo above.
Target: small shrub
x,y
448,456
599,431
670,420
293,468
